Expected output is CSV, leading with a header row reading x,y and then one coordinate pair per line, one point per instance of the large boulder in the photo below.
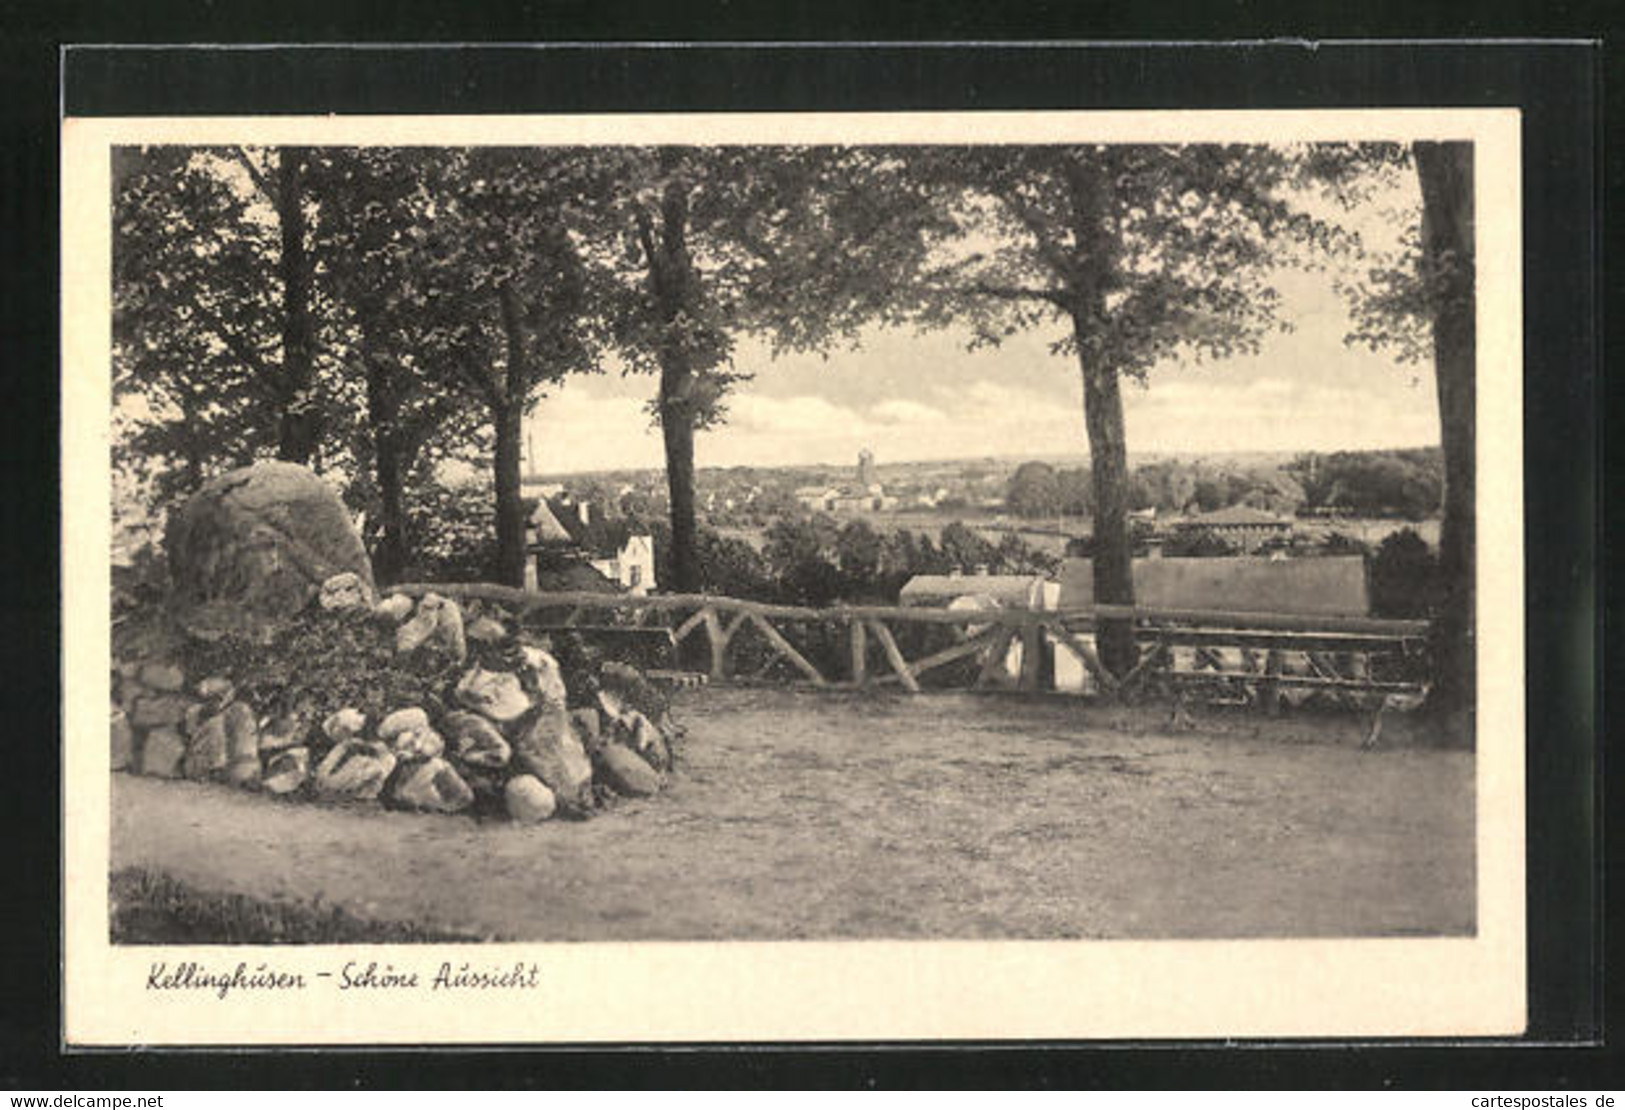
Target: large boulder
x,y
253,546
550,750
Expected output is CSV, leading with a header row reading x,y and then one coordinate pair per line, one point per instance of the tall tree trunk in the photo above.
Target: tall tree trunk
x,y
383,413
1113,555
670,280
297,430
507,416
678,433
1445,171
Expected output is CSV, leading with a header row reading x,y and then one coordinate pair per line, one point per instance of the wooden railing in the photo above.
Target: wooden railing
x,y
980,641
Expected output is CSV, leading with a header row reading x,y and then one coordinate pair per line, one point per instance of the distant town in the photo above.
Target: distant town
x,y
887,523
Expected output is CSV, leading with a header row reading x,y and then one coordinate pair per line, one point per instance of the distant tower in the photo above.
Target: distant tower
x,y
866,468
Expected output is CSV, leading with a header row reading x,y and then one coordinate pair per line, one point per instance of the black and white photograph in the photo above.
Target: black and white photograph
x,y
1036,557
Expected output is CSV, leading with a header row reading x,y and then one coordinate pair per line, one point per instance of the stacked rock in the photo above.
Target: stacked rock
x,y
506,730
162,727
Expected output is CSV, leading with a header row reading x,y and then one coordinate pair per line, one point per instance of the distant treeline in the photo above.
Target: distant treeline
x,y
1399,483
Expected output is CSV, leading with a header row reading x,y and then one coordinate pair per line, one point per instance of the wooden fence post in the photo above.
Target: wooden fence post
x,y
1032,655
719,645
860,649
1269,692
894,656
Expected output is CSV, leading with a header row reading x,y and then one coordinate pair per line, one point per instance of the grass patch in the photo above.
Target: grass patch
x,y
152,908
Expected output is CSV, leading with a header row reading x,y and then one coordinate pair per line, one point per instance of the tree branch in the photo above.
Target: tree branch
x,y
259,178
234,341
1043,232
1058,296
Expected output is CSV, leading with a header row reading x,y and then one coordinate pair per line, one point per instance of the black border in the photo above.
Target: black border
x,y
1556,85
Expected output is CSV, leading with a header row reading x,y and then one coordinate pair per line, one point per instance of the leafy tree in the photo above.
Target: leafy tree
x,y
508,281
278,182
1210,494
194,352
1076,491
1034,491
377,200
1140,254
859,552
1418,304
792,243
965,550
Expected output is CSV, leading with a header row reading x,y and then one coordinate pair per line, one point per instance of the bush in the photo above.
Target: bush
x,y
451,533
1404,577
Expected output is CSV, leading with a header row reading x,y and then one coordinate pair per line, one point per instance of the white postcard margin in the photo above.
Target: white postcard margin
x,y
811,991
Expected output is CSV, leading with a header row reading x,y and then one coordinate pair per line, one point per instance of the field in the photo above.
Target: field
x,y
806,815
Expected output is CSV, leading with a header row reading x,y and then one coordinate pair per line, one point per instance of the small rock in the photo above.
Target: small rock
x,y
610,705
284,731
585,722
346,724
402,720
435,786
437,618
164,676
486,630
496,694
625,772
395,608
208,752
242,733
549,681
449,631
345,590
152,711
649,742
529,800
632,690
416,632
477,741
123,738
217,690
131,691
162,753
287,770
550,751
244,773
420,743
355,769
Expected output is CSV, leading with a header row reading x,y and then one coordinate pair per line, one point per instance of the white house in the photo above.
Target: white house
x,y
633,566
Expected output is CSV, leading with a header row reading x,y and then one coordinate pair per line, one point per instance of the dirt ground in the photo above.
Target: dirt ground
x,y
807,815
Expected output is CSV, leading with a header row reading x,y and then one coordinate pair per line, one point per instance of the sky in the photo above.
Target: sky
x,y
911,397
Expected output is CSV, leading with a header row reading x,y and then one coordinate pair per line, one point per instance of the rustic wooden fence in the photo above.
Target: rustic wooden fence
x,y
1254,655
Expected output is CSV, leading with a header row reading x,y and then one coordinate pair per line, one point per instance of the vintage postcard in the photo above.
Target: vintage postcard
x,y
814,578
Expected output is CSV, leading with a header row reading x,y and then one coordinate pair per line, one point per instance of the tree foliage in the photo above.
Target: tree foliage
x,y
1135,255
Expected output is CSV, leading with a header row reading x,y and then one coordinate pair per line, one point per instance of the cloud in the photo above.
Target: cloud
x,y
899,410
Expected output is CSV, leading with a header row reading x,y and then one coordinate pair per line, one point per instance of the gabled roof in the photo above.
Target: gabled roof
x,y
548,528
